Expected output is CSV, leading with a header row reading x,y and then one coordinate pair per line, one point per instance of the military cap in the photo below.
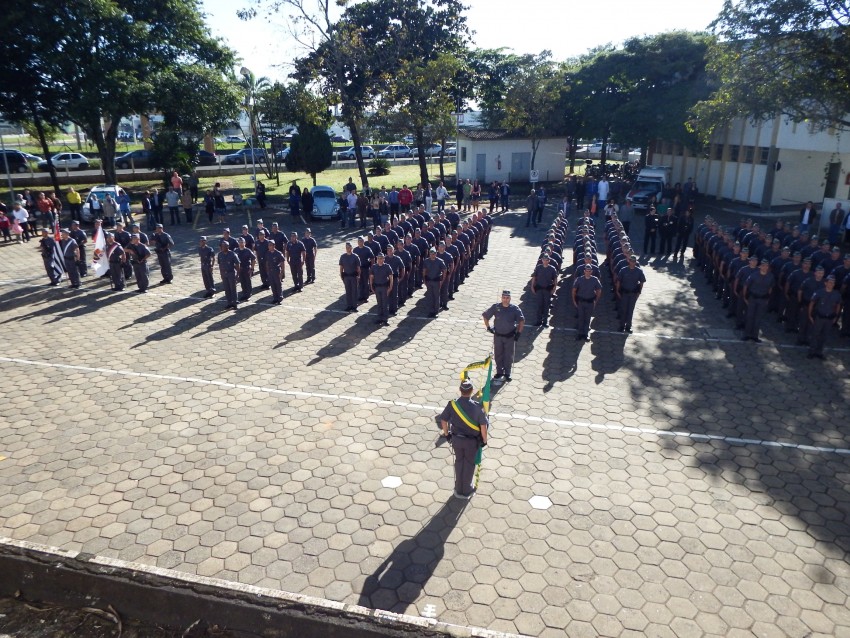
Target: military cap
x,y
45,230
807,260
764,262
754,257
135,236
66,231
226,230
432,250
506,293
825,242
224,242
830,278
546,256
786,249
380,255
203,237
819,269
632,258
466,385
240,240
745,249
797,253
75,223
836,249
588,267
160,226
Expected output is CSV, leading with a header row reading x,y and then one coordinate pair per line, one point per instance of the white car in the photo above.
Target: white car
x,y
325,203
75,161
100,192
348,154
234,139
395,150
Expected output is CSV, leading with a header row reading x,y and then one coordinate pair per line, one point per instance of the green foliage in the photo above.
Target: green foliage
x,y
379,166
311,151
197,100
779,58
292,104
173,152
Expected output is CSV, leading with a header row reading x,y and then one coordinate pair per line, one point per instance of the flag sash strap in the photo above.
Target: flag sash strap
x,y
463,416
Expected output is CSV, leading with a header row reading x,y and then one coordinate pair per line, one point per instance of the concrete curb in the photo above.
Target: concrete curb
x,y
167,597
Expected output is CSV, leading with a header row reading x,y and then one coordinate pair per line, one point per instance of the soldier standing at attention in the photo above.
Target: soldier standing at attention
x,y
446,283
808,288
295,256
312,249
397,264
247,262
433,272
139,254
261,248
366,261
381,283
79,236
274,265
468,424
46,244
508,322
542,284
823,311
123,238
162,245
71,255
349,270
630,282
757,291
207,255
115,257
228,268
586,292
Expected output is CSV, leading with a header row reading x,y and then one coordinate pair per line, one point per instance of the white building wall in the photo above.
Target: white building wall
x,y
550,160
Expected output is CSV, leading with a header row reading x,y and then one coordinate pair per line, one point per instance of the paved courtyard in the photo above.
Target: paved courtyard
x,y
672,482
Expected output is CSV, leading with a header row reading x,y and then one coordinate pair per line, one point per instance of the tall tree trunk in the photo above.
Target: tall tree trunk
x,y
358,154
604,155
420,148
105,143
442,156
572,149
42,140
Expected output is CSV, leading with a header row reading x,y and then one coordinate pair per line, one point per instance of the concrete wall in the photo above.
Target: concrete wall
x,y
499,159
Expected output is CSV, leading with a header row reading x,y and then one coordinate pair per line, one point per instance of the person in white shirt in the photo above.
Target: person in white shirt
x,y
602,192
442,194
22,216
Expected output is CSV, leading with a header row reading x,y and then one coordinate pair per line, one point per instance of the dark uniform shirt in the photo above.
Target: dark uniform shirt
x,y
631,279
365,254
228,264
295,252
545,276
138,252
206,253
350,263
825,303
586,288
446,258
246,256
458,427
115,252
396,263
759,285
163,242
810,286
505,318
310,246
433,269
381,274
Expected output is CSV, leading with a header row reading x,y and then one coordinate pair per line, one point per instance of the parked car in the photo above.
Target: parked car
x,y
244,155
338,138
134,159
451,151
281,156
33,158
14,162
431,150
205,158
325,203
100,192
67,160
395,150
234,139
348,154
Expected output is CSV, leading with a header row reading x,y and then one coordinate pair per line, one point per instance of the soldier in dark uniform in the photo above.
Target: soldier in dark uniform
x,y
278,237
79,236
587,290
823,312
740,281
543,282
808,288
422,244
46,244
366,261
652,222
247,236
162,246
207,255
71,255
508,322
247,262
123,238
231,241
349,270
416,258
381,283
756,295
274,265
792,293
464,425
138,255
446,282
143,237
684,228
403,286
261,249
397,265
310,252
668,226
433,272
295,257
116,258
630,281
228,268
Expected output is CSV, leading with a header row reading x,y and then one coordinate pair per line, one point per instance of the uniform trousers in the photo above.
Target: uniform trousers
x,y
792,312
245,281
164,259
504,349
585,314
207,276
140,272
756,309
382,298
445,288
311,269
465,449
297,271
432,294
364,284
845,318
627,308
264,274
229,283
274,273
804,323
350,283
394,294
73,271
818,332
82,267
116,273
544,301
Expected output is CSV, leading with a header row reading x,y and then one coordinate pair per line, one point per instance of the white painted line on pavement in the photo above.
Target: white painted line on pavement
x,y
598,427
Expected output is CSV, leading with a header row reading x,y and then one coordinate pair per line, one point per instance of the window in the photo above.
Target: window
x,y
734,152
749,154
717,152
764,153
462,153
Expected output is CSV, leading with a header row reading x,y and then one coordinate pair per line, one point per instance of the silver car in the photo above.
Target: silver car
x,y
325,203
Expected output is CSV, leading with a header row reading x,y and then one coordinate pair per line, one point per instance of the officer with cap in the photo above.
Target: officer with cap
x,y
630,281
808,288
508,322
433,272
349,271
381,283
311,250
79,236
247,263
823,312
207,255
397,264
46,247
162,246
367,258
464,425
261,251
586,293
274,265
116,258
228,268
295,256
71,255
139,254
757,291
543,281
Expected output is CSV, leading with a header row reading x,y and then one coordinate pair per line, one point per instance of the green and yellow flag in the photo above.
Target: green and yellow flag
x,y
482,396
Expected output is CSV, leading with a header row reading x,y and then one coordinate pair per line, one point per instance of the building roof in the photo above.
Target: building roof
x,y
483,134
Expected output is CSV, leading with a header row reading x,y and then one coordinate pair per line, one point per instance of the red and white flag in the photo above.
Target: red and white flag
x,y
99,260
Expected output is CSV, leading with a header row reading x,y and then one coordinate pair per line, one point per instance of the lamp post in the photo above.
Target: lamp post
x,y
249,77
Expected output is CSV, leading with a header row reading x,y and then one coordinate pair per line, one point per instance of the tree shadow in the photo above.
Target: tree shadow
x,y
400,579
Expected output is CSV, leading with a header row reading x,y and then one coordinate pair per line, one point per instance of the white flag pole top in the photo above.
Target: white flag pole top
x,y
100,263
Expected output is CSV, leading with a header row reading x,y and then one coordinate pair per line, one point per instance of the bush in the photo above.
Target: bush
x,y
379,166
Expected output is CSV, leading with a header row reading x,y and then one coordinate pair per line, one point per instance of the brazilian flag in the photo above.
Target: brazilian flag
x,y
482,396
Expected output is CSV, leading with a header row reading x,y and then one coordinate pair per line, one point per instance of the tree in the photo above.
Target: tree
x,y
779,58
311,150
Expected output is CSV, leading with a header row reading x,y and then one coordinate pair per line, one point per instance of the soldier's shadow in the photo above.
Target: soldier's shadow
x,y
402,333
26,297
562,354
608,352
319,322
362,327
164,310
411,563
233,317
181,325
